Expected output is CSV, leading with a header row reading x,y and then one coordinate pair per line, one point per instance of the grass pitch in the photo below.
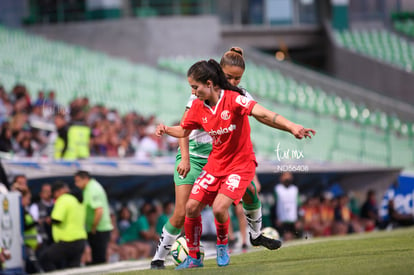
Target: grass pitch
x,y
376,253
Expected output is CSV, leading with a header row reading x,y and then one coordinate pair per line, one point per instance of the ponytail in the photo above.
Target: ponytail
x,y
211,70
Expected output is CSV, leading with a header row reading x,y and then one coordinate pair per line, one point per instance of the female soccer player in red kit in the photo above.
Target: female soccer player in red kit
x,y
222,112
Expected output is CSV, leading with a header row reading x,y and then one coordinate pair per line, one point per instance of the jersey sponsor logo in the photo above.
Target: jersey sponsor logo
x,y
196,189
205,119
242,100
233,182
225,115
222,130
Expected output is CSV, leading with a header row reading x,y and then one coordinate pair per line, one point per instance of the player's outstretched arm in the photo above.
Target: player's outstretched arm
x,y
184,166
277,121
174,131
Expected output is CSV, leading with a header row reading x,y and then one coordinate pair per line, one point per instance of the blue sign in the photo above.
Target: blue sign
x,y
402,192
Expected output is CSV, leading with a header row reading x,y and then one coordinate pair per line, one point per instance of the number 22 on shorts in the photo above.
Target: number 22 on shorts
x,y
204,179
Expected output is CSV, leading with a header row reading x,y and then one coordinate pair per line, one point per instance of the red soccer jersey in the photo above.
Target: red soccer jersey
x,y
227,123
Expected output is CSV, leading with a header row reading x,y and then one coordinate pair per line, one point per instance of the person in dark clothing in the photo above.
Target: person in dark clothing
x,y
398,219
369,211
6,138
68,229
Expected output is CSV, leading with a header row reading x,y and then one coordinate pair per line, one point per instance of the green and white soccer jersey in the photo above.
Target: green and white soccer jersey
x,y
199,149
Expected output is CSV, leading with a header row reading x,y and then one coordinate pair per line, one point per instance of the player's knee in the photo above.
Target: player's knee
x,y
247,198
220,210
192,209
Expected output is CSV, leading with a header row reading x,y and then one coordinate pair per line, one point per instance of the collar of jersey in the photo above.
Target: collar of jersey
x,y
218,102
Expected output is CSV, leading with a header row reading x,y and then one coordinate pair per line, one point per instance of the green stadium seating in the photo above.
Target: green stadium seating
x,y
405,26
380,44
347,131
74,71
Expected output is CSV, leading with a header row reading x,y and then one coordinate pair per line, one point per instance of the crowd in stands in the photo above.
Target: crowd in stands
x,y
135,232
40,127
327,214
137,225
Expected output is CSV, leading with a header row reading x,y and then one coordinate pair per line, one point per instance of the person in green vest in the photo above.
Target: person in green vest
x,y
29,234
98,220
68,230
73,140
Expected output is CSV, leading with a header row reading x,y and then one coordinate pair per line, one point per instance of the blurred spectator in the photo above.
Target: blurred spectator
x,y
5,105
61,139
41,212
327,213
40,100
167,211
287,203
68,229
369,211
312,218
345,222
19,183
78,136
149,145
30,235
20,99
125,219
98,221
396,218
139,240
100,131
6,138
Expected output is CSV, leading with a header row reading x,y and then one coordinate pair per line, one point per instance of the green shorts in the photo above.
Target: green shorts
x,y
196,164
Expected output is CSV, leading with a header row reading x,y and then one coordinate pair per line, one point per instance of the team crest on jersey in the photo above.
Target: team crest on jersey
x,y
196,189
242,100
205,119
225,115
233,182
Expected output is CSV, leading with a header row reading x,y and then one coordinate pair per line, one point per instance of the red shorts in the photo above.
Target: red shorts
x,y
207,186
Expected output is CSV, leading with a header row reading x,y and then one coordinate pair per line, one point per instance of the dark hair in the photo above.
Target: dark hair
x,y
233,57
83,174
57,185
202,71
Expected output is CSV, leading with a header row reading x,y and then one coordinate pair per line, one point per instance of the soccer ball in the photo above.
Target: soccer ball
x,y
271,233
179,251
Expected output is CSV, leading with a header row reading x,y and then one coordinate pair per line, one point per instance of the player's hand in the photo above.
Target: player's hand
x,y
300,132
183,168
161,129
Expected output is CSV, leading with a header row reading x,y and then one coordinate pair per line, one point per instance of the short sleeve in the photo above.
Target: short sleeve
x,y
96,200
190,101
143,224
243,105
246,93
191,120
96,197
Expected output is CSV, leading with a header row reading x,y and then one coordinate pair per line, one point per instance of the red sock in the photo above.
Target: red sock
x,y
193,228
222,231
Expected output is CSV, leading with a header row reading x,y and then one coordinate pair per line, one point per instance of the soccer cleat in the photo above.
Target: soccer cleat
x,y
157,264
190,262
223,257
271,244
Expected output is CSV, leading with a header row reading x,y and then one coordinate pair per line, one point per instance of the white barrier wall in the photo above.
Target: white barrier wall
x,y
11,229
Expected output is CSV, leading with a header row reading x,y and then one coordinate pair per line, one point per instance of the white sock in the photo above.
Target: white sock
x,y
164,245
254,220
